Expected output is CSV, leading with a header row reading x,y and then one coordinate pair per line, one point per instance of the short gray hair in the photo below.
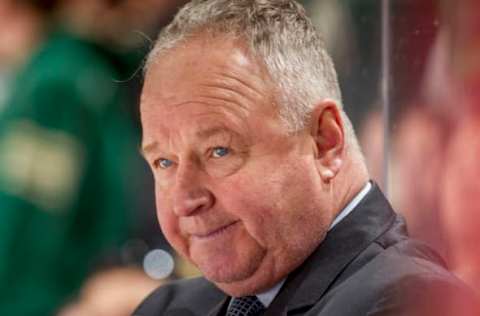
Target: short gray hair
x,y
280,34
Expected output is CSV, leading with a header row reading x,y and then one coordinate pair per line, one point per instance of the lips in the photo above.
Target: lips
x,y
214,232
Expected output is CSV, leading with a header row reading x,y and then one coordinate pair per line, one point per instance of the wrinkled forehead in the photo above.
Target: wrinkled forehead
x,y
217,68
197,58
205,76
203,44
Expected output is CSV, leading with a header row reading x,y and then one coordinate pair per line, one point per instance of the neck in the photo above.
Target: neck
x,y
349,181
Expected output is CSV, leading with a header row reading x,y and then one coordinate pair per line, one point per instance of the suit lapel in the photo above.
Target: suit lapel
x,y
309,283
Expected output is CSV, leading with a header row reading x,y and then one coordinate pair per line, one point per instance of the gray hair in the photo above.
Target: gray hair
x,y
280,34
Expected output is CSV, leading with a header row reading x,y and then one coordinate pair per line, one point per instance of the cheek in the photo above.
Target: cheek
x,y
244,199
279,185
258,200
276,200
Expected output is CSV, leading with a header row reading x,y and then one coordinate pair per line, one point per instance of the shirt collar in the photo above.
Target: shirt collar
x,y
268,296
351,206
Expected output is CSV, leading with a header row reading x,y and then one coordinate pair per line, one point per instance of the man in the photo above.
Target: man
x,y
259,179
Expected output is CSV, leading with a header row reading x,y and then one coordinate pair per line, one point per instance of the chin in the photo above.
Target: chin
x,y
250,280
256,283
235,277
222,264
229,271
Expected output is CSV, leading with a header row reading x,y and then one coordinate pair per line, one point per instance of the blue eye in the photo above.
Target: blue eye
x,y
219,152
164,163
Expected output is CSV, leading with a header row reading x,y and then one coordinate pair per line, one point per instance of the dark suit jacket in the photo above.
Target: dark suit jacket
x,y
367,265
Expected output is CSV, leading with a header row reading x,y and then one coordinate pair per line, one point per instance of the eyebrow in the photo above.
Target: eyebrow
x,y
203,133
212,131
145,149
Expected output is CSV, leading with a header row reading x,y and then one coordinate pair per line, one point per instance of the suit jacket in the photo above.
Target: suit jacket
x,y
367,265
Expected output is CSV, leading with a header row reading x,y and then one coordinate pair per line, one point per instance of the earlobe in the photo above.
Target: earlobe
x,y
328,134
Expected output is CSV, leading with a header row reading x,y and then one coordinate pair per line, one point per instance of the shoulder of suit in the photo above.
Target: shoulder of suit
x,y
404,278
176,296
418,282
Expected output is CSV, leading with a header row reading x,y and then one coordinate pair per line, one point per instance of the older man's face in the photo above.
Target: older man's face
x,y
236,195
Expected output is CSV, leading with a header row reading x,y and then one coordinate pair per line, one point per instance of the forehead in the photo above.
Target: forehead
x,y
205,76
200,61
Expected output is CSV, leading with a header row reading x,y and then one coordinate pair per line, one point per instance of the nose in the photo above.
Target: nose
x,y
190,195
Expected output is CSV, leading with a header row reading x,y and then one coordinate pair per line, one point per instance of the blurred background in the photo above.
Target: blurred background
x,y
78,232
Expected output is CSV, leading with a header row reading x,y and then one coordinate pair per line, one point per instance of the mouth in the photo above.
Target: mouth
x,y
216,232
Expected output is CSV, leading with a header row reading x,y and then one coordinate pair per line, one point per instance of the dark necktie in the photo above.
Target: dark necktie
x,y
245,306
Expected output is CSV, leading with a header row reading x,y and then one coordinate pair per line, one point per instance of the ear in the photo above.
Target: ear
x,y
327,130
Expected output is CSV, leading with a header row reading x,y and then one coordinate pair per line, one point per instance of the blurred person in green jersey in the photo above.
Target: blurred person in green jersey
x,y
67,151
